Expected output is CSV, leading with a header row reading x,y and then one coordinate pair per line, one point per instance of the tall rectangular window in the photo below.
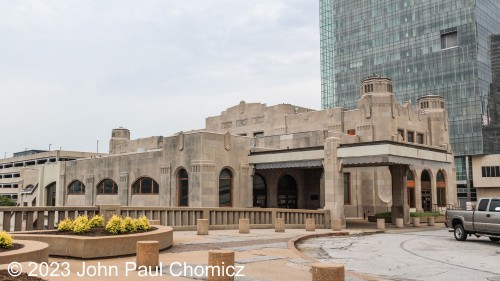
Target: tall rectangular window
x,y
401,132
449,40
410,136
420,138
347,188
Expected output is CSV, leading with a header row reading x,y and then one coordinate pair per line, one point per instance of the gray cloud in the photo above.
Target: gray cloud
x,y
73,70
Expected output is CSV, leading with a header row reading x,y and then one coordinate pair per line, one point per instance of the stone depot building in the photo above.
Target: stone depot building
x,y
381,156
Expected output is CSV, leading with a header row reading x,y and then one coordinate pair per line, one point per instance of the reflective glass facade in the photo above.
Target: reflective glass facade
x,y
424,46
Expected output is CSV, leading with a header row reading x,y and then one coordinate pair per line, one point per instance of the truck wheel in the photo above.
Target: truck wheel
x,y
494,239
459,232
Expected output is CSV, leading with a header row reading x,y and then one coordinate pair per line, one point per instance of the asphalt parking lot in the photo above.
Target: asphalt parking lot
x,y
423,255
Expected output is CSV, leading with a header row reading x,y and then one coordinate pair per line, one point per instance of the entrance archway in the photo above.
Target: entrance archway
x,y
259,191
287,192
425,181
50,194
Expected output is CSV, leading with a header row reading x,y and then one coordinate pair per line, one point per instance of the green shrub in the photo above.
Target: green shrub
x,y
66,224
128,225
81,225
425,214
142,224
383,215
6,201
6,240
114,225
96,221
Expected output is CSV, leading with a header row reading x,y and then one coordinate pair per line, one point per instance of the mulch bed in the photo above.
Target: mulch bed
x,y
96,231
5,276
14,247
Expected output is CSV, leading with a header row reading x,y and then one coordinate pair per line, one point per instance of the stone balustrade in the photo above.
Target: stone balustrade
x,y
179,218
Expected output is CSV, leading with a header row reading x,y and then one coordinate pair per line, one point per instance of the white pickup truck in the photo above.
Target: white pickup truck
x,y
483,221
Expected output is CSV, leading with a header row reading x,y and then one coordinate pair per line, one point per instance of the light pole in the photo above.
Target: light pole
x,y
49,146
97,146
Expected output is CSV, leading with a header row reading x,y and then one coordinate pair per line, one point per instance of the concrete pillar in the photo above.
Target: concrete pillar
x,y
400,207
334,180
89,190
123,191
165,192
310,224
381,224
107,211
418,190
244,226
400,223
433,188
148,254
202,226
279,225
218,263
430,221
327,272
336,225
416,222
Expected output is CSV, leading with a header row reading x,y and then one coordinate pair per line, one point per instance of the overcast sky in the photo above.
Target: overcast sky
x,y
71,71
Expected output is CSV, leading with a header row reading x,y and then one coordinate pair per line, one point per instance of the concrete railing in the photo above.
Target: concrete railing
x,y
39,218
179,218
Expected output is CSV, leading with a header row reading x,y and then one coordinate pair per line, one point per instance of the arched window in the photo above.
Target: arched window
x,y
107,186
425,183
259,191
183,187
441,189
225,188
76,187
410,184
145,185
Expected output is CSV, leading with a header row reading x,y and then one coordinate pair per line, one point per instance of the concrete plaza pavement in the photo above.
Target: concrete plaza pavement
x,y
263,254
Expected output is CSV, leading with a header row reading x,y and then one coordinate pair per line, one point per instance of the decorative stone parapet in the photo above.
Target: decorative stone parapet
x,y
279,225
381,224
202,226
310,224
220,265
148,254
244,226
327,272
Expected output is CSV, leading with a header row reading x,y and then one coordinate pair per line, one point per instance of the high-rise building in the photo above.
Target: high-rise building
x,y
425,46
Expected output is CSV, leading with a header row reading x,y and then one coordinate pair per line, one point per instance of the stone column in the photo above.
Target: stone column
x,y
418,190
433,188
89,190
124,189
220,262
148,254
400,207
165,185
327,272
334,182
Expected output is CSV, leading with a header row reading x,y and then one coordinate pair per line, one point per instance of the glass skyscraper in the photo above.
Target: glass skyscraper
x,y
425,46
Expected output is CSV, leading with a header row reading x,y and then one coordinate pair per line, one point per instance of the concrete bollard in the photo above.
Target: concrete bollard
x,y
279,225
310,224
416,222
399,223
147,254
244,225
430,221
327,272
220,265
381,224
336,225
202,226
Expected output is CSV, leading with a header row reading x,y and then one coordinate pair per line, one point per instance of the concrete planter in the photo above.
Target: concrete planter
x,y
32,251
98,247
374,219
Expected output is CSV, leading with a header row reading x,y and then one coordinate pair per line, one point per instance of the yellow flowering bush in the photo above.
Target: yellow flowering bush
x,y
96,221
66,224
114,225
6,240
81,225
142,224
128,224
